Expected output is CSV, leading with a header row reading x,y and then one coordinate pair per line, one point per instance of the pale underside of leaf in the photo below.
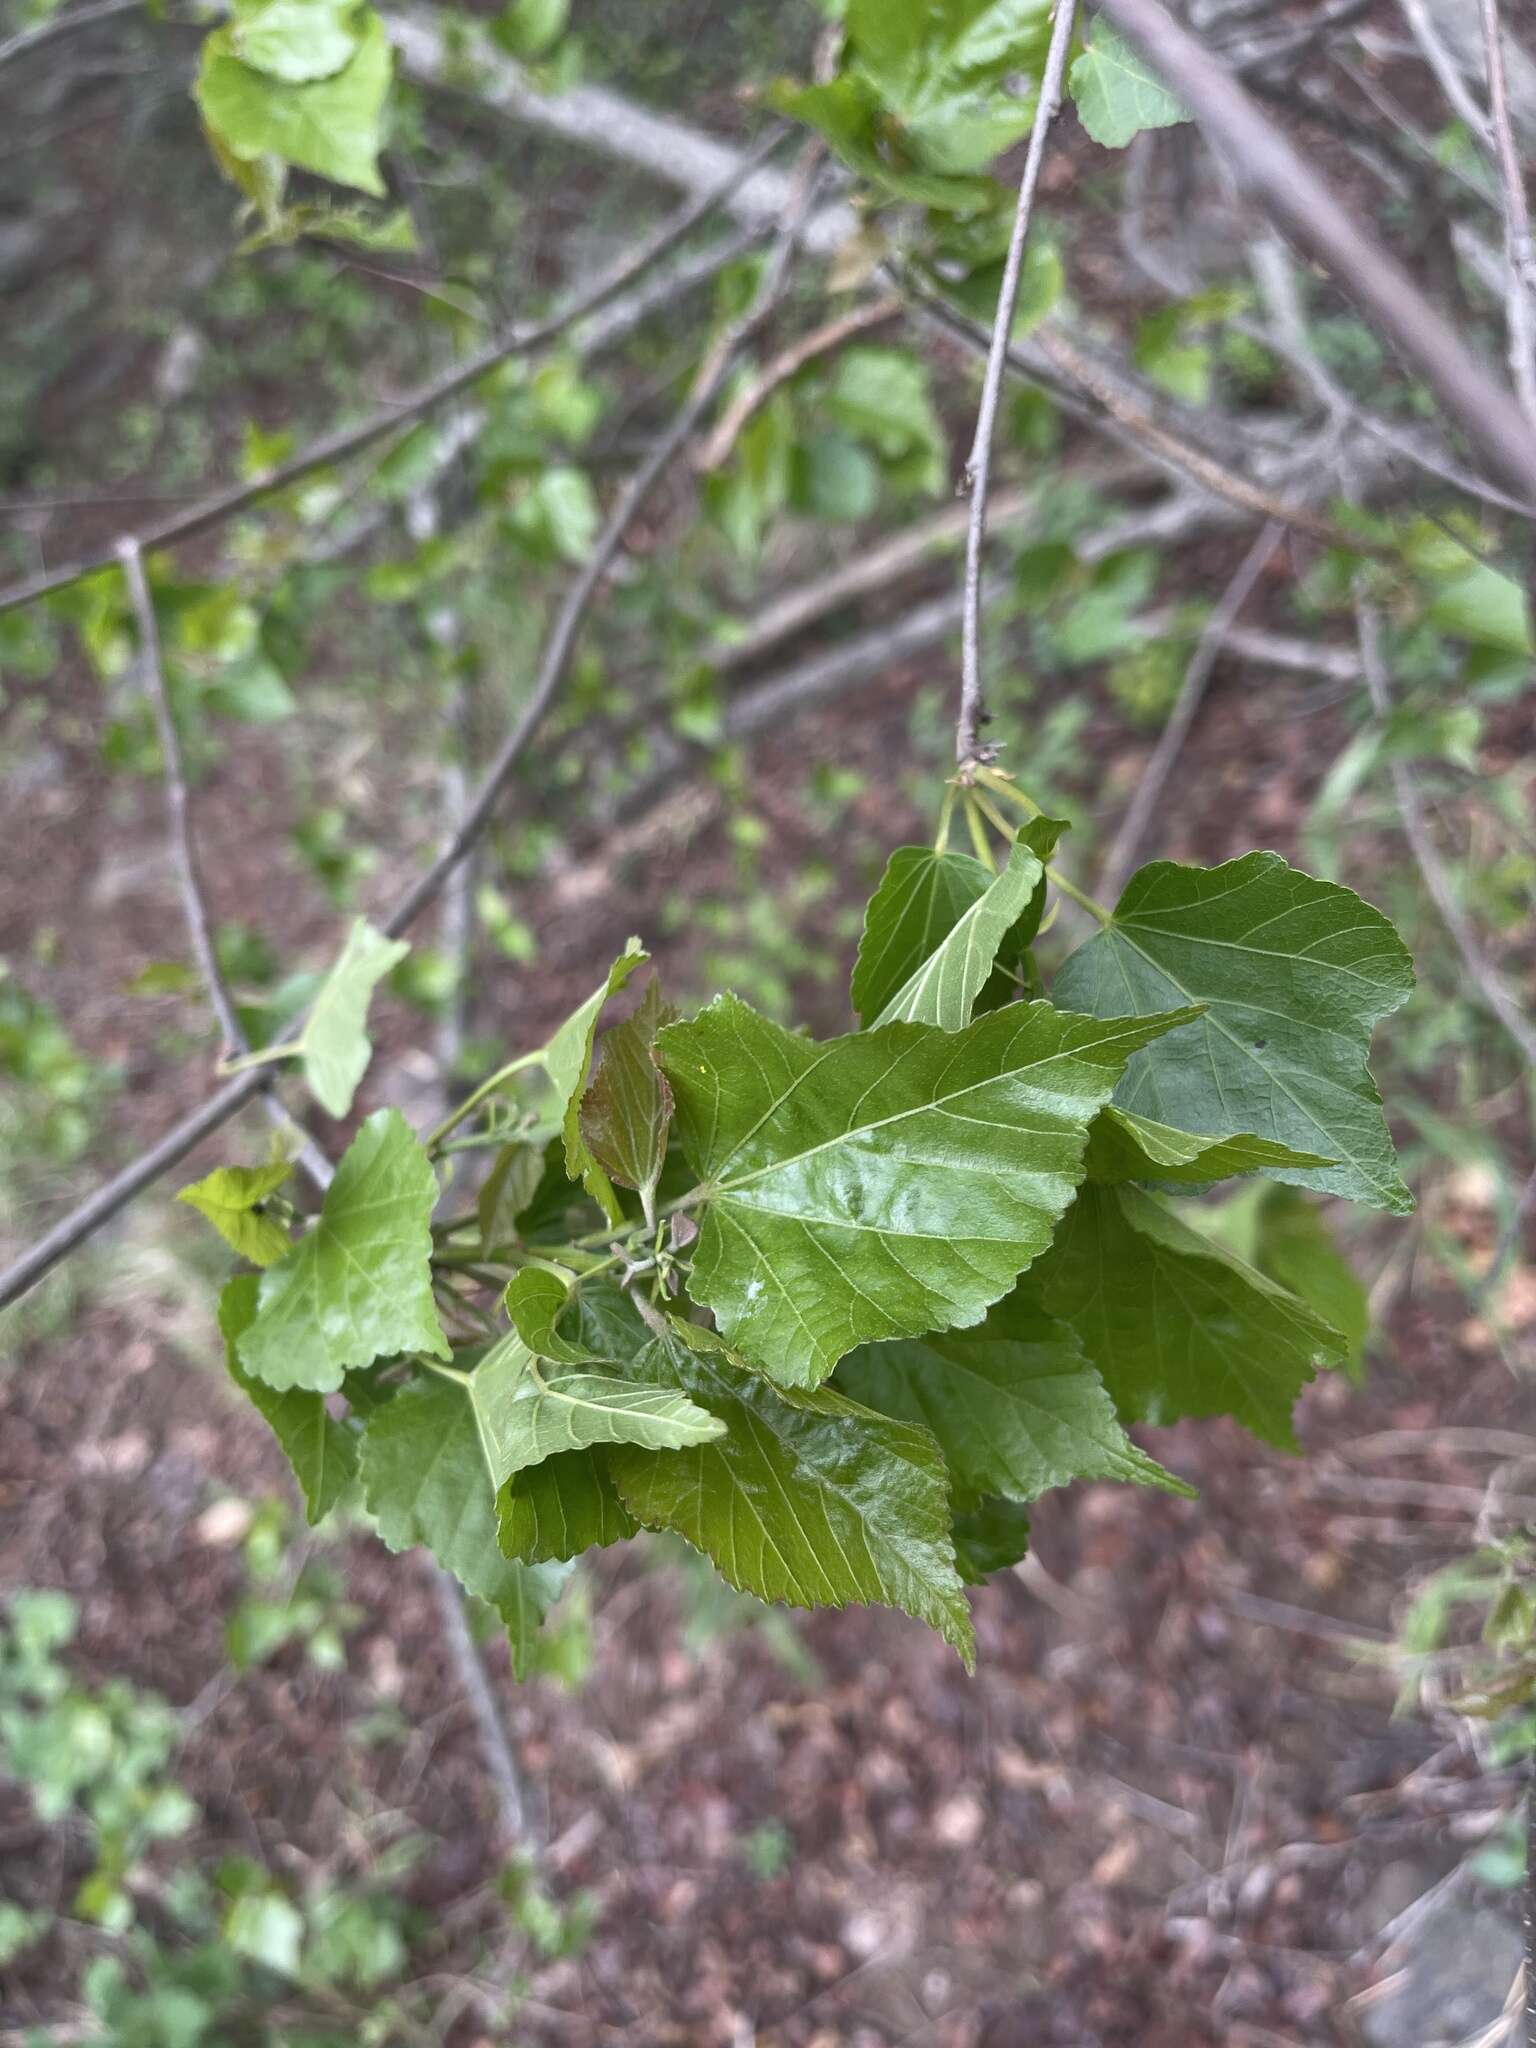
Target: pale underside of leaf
x,y
321,1450
1123,1146
944,988
527,1409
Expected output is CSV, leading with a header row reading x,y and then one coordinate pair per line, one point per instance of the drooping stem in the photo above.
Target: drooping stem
x,y
970,748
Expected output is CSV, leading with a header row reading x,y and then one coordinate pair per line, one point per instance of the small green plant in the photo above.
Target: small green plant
x,y
105,1755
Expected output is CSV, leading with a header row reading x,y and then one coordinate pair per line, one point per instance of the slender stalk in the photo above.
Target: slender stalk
x,y
970,748
487,1087
978,832
1080,897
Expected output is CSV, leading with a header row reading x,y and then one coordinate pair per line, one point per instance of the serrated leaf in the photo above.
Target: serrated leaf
x,y
331,126
535,1300
1294,973
294,40
943,989
991,1535
1123,1146
1014,1404
884,1184
334,1044
1117,94
528,1409
509,1188
1286,1236
358,1286
1176,1325
425,1481
567,1057
626,1111
321,1450
561,1508
922,897
231,1197
805,1498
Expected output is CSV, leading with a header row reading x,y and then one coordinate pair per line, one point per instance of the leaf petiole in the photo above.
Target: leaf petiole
x,y
487,1087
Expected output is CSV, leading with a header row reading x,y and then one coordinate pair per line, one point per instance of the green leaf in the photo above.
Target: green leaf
x,y
1481,604
268,1929
331,126
1014,1404
1123,1146
358,1286
321,1450
528,28
1286,1236
884,1184
804,1498
528,1409
560,1508
334,1044
294,40
536,1299
425,1481
921,899
1294,974
231,1198
991,1535
627,1109
944,988
1174,1323
567,1057
1117,95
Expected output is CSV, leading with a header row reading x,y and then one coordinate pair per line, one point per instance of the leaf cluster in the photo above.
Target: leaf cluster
x,y
837,1312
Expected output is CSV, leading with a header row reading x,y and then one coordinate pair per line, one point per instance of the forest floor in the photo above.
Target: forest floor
x,y
1175,1805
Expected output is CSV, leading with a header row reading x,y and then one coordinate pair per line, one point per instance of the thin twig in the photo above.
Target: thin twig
x,y
1446,70
194,898
1148,793
1520,295
1487,980
1310,213
100,1207
519,339
194,895
66,24
788,363
490,1724
969,745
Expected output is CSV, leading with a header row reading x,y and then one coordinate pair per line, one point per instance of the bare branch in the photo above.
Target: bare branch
x,y
1520,293
1311,214
969,745
194,896
788,363
1148,793
194,901
519,339
1446,70
1486,978
65,25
